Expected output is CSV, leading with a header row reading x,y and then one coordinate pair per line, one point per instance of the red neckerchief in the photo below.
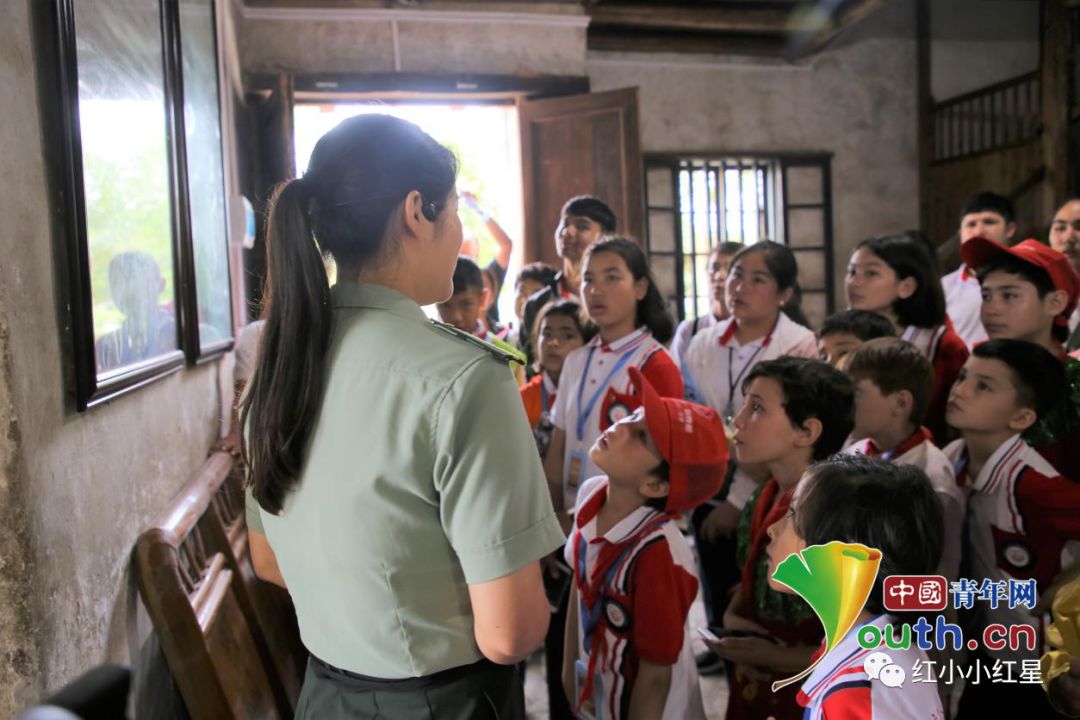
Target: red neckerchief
x,y
966,273
923,433
772,505
730,332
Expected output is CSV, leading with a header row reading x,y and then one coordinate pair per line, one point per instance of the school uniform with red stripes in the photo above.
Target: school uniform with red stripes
x,y
845,687
920,451
1021,514
947,353
635,586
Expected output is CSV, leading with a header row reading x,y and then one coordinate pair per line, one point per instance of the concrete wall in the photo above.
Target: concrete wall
x,y
976,43
75,488
541,38
856,101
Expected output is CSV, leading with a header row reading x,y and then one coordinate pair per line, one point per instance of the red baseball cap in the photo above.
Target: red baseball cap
x,y
978,251
690,437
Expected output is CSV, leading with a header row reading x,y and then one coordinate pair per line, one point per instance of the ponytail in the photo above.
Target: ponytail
x,y
359,173
292,350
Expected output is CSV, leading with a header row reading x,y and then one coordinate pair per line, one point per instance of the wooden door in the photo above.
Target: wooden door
x,y
579,145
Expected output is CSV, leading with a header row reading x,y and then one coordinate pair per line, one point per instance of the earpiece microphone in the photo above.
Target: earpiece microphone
x,y
430,211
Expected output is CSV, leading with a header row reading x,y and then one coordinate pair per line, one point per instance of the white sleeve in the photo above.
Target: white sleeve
x,y
246,350
681,343
742,487
567,385
689,366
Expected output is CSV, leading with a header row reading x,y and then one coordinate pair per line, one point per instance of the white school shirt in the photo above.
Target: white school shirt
x,y
684,693
963,303
919,451
641,346
716,364
841,687
686,332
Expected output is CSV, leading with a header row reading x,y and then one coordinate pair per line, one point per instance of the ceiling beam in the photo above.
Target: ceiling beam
x,y
616,40
735,17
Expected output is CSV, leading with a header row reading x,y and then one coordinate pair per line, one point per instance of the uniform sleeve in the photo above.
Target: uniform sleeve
x,y
246,351
494,503
952,516
659,618
682,340
742,487
806,348
664,376
1051,502
251,513
849,701
688,365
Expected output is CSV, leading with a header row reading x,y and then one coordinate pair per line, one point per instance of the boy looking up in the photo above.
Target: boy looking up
x,y
627,641
1021,512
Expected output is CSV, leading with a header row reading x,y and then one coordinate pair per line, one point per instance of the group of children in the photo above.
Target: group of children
x,y
940,430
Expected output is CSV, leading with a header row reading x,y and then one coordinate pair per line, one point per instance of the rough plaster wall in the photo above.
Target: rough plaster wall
x,y
85,483
976,43
425,47
856,102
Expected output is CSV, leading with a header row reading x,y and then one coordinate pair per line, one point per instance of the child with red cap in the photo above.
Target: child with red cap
x,y
627,638
1029,292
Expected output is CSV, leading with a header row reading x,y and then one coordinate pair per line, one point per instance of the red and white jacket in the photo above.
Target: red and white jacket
x,y
848,687
635,585
1021,514
588,371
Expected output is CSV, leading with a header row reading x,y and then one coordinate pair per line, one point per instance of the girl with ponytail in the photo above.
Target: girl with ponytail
x,y
374,439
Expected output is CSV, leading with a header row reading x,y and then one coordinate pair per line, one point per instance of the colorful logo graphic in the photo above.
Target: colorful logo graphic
x,y
835,580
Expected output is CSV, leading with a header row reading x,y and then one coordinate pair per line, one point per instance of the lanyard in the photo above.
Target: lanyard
x,y
732,382
584,413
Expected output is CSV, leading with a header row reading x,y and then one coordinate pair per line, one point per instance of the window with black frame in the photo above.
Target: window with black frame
x,y
143,184
695,202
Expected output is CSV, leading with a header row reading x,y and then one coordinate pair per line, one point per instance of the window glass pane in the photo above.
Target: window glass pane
x,y
811,269
663,270
126,180
804,186
659,187
814,306
661,231
206,182
806,228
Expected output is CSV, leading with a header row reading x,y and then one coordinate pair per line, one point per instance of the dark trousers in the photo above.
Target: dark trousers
x,y
716,566
559,597
483,691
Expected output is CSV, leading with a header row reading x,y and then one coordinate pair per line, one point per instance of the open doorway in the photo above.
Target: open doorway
x,y
485,139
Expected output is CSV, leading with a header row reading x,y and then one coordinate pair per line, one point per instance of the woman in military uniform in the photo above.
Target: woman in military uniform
x,y
394,489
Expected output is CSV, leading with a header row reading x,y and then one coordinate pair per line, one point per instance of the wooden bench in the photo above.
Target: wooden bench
x,y
230,640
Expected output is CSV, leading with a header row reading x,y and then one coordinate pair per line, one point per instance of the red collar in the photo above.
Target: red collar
x,y
916,438
729,332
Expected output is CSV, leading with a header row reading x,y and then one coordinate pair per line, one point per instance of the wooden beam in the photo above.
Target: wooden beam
x,y
847,14
614,39
734,17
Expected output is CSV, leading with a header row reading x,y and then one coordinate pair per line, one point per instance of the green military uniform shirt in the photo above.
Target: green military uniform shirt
x,y
421,477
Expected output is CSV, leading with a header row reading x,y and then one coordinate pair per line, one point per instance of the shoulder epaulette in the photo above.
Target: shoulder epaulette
x,y
498,353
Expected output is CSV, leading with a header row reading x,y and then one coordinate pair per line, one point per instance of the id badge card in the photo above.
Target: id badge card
x,y
589,709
